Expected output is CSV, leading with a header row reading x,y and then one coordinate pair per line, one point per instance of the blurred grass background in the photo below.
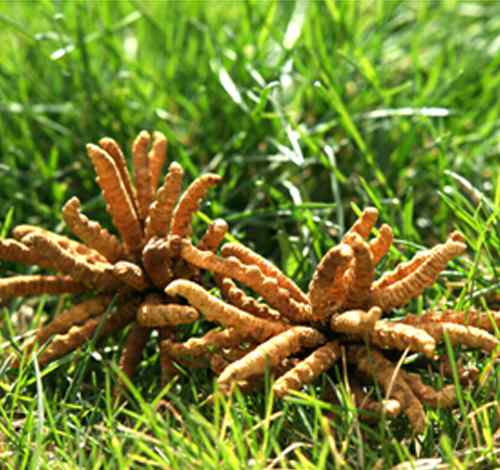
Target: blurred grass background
x,y
307,109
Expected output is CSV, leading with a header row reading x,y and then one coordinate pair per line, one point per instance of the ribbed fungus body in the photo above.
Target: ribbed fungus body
x,y
340,315
120,278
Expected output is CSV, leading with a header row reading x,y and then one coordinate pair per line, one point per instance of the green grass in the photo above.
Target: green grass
x,y
307,110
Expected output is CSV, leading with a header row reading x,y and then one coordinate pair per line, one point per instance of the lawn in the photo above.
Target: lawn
x,y
309,111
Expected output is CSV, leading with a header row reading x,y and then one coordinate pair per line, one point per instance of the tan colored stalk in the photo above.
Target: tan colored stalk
x,y
189,203
308,370
359,277
80,334
381,245
157,260
112,148
271,353
428,395
91,232
160,211
227,315
132,351
75,315
382,371
268,288
249,257
468,336
364,224
132,275
399,336
21,286
401,292
96,275
484,320
237,297
119,204
21,232
212,341
17,252
213,236
156,158
327,288
142,174
166,315
356,322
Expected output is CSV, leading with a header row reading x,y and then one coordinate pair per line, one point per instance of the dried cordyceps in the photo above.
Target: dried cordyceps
x,y
122,277
340,314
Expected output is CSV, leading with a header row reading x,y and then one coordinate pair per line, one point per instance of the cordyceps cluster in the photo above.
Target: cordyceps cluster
x,y
145,277
120,280
340,316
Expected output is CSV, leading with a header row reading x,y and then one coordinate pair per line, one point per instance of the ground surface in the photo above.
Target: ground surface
x,y
306,110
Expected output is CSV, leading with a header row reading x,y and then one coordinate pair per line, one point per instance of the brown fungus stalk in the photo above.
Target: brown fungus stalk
x,y
123,275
